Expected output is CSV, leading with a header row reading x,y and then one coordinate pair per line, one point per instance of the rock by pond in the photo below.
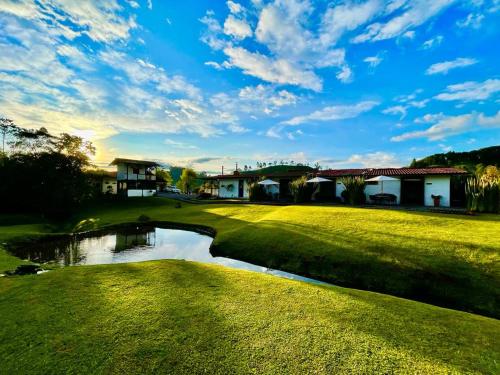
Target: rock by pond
x,y
25,269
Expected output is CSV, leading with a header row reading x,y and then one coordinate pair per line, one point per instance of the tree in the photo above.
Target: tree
x,y
7,127
44,173
186,181
162,174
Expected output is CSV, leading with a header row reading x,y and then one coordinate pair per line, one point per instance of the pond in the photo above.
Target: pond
x,y
135,245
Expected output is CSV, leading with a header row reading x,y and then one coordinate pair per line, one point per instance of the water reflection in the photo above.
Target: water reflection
x,y
138,244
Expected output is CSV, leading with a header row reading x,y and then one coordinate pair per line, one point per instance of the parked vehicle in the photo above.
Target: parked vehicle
x,y
172,189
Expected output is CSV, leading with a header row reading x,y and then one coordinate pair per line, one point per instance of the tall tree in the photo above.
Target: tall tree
x,y
187,179
7,127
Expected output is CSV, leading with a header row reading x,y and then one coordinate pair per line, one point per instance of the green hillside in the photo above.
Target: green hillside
x,y
468,160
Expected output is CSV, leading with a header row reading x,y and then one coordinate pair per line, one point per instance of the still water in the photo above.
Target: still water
x,y
136,245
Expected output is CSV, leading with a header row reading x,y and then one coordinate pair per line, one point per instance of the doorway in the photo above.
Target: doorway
x,y
241,185
412,191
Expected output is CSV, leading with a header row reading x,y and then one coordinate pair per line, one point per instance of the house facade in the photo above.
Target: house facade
x,y
135,178
410,186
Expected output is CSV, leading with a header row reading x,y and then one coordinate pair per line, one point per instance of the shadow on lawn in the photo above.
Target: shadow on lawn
x,y
183,329
376,265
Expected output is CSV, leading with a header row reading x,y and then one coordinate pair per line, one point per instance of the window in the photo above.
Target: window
x,y
135,170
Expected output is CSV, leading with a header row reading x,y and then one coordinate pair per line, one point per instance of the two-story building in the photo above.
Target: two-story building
x,y
135,178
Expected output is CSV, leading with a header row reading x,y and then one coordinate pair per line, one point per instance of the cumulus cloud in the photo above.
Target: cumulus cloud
x,y
237,28
445,66
334,113
292,51
470,91
271,70
346,17
453,125
235,8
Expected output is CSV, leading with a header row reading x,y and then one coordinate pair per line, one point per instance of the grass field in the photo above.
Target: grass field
x,y
447,260
184,317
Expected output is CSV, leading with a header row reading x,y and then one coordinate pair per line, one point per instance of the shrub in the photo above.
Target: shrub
x,y
257,192
301,190
483,193
143,218
354,192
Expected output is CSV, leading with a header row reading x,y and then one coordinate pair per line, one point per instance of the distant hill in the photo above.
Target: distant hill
x,y
278,169
467,160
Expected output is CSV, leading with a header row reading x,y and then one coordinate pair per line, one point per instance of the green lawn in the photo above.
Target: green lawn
x,y
185,317
447,260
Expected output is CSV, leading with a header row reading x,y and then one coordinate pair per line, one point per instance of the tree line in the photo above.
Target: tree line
x,y
42,172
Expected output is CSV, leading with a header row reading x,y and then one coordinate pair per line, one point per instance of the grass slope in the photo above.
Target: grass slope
x,y
447,260
183,317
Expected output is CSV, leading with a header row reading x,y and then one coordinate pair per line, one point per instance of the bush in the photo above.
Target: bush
x,y
144,218
257,193
483,193
301,190
354,192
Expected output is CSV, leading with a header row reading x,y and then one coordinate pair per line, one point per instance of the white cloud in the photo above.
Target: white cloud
x,y
100,21
180,145
140,71
133,4
276,71
433,42
473,20
445,66
345,75
339,19
150,4
409,34
470,91
453,125
373,61
235,128
429,118
211,36
292,52
234,8
334,113
377,159
260,99
416,13
237,28
396,110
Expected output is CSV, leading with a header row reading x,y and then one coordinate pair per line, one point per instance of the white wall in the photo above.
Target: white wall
x,y
224,192
390,187
140,193
437,185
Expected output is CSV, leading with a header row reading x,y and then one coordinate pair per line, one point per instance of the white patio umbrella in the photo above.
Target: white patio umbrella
x,y
268,182
381,179
318,180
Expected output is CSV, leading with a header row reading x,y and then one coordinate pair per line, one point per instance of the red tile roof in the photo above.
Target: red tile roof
x,y
391,172
348,172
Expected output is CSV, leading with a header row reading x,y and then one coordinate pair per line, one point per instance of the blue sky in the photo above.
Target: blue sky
x,y
211,83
